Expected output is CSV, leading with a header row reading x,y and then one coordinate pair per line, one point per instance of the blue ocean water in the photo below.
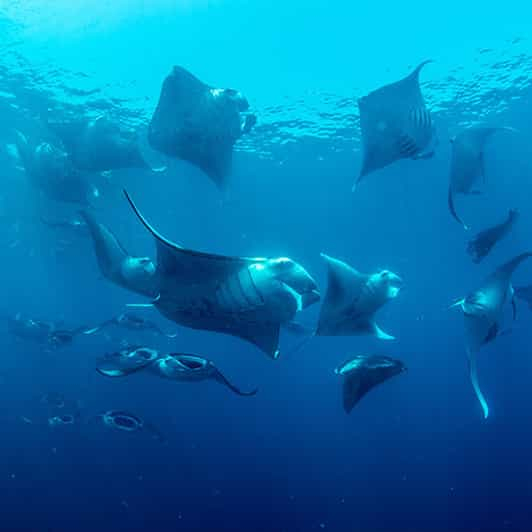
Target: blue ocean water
x,y
415,454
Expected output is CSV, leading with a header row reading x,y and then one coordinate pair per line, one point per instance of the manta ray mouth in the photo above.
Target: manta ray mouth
x,y
191,364
303,298
393,291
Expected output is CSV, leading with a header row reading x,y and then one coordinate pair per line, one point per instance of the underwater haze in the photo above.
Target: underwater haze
x,y
82,450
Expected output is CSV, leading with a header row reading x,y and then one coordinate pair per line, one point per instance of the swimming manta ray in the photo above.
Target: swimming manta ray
x,y
50,169
48,333
364,372
483,314
175,366
122,421
126,361
353,298
199,123
128,320
480,246
246,297
395,124
116,264
99,144
467,163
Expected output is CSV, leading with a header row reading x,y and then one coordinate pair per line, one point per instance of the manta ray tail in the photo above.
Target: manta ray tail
x,y
220,377
450,202
474,381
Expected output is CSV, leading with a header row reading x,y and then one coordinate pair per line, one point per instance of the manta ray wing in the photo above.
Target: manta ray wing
x,y
122,366
345,284
363,373
188,265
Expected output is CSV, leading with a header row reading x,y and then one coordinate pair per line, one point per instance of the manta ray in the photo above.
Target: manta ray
x,y
63,420
199,123
395,124
175,366
353,298
50,169
116,264
364,372
47,333
122,421
132,322
250,298
99,145
483,314
480,246
467,163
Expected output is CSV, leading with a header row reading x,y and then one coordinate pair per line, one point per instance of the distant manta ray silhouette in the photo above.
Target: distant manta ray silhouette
x,y
467,163
395,124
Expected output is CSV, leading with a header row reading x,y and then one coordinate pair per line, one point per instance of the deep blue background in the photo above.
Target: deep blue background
x,y
415,455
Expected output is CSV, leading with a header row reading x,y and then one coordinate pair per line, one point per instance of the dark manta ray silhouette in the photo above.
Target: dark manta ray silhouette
x,y
483,314
524,293
50,169
480,246
43,332
395,124
246,297
199,123
467,163
99,144
364,372
122,421
116,264
353,298
175,366
130,321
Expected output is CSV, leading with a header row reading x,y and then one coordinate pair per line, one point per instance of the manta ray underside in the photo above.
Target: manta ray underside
x,y
199,123
395,124
198,290
364,372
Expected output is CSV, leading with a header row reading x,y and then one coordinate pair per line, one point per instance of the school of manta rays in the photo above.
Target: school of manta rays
x,y
253,298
